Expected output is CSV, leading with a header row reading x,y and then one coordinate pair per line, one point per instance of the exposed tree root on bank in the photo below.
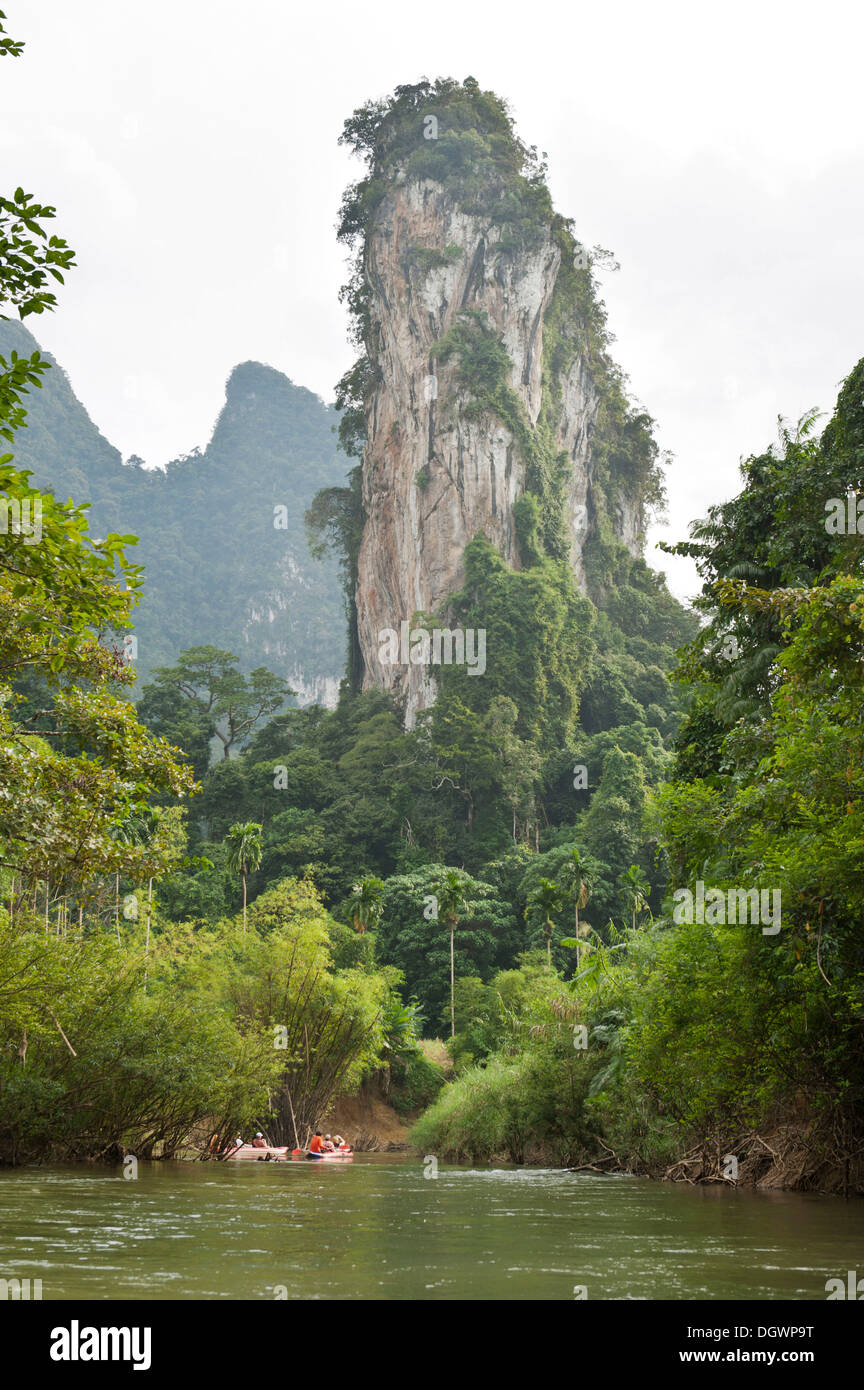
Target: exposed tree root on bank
x,y
791,1155
820,1158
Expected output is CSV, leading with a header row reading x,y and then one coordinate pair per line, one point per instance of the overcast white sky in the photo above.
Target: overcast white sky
x,y
190,150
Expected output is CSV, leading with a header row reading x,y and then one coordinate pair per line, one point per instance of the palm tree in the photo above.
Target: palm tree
x,y
452,901
636,887
367,908
579,890
244,853
544,902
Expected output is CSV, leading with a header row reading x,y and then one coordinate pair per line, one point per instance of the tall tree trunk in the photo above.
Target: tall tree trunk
x,y
46,906
147,938
452,981
244,901
293,1119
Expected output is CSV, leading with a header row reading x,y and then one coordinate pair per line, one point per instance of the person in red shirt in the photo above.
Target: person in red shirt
x,y
316,1146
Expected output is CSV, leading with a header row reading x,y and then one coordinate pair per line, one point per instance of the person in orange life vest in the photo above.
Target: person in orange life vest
x,y
316,1146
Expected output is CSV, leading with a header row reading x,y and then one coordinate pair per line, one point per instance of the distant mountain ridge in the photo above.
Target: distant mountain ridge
x,y
221,531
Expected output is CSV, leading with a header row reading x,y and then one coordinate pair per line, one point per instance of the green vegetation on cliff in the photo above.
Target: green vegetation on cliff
x,y
472,150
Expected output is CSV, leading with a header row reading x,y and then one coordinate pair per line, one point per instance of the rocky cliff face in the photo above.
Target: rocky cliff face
x,y
436,470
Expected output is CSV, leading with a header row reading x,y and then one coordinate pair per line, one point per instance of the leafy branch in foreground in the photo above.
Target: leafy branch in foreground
x,y
9,48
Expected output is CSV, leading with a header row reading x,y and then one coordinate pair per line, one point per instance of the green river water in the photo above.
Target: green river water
x,y
380,1229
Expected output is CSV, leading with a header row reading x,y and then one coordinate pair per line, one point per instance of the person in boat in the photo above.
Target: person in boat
x,y
341,1145
329,1146
259,1142
316,1144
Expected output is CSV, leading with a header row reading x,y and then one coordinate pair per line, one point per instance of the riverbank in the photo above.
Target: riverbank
x,y
787,1156
369,1124
789,1152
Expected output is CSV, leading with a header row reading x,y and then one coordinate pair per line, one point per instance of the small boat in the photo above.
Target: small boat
x,y
262,1155
340,1156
